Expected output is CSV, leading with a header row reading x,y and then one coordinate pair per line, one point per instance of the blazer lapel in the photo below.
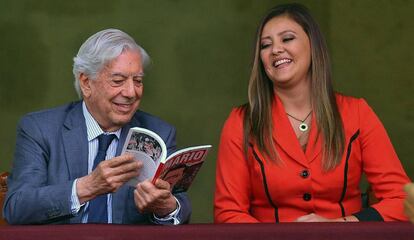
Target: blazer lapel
x,y
76,143
314,146
284,134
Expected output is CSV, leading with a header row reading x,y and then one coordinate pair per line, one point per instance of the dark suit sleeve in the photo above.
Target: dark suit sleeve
x,y
30,199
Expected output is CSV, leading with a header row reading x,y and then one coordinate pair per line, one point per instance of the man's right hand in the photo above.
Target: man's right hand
x,y
107,177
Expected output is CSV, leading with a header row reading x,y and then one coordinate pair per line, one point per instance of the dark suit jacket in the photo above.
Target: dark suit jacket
x,y
52,151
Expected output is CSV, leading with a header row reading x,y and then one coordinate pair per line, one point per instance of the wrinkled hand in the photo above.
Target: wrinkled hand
x,y
108,177
154,198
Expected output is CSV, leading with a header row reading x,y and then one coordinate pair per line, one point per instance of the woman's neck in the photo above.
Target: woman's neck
x,y
296,100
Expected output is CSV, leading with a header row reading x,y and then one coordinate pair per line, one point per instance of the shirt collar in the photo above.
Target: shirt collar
x,y
92,127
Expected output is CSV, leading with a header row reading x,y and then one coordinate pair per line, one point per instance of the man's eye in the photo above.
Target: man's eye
x,y
117,82
138,82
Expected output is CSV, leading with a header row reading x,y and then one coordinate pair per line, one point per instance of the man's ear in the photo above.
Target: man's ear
x,y
85,87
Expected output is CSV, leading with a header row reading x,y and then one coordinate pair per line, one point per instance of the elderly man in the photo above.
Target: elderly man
x,y
59,175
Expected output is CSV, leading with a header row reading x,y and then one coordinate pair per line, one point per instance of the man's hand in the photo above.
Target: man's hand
x,y
157,199
107,177
317,218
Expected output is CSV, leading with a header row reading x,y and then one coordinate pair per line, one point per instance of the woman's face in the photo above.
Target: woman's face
x,y
285,52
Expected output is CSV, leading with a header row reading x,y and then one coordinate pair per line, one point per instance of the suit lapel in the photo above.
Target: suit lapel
x,y
76,143
284,135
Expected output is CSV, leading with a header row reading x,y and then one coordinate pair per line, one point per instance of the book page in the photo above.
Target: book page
x,y
146,148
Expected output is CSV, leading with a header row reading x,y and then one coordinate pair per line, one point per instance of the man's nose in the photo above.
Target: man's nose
x,y
128,88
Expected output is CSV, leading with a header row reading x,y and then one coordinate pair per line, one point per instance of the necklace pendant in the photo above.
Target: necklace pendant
x,y
303,127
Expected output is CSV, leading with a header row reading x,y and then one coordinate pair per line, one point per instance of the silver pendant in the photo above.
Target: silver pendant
x,y
303,127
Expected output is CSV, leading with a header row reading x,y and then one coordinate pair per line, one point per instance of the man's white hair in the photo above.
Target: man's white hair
x,y
99,50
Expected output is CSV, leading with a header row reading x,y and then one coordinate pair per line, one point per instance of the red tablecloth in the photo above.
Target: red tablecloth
x,y
319,231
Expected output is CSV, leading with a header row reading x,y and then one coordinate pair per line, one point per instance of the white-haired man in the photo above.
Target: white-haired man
x,y
67,166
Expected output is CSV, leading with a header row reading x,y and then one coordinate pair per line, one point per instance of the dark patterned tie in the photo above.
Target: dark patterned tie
x,y
98,208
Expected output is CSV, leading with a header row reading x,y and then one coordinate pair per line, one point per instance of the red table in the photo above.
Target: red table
x,y
320,231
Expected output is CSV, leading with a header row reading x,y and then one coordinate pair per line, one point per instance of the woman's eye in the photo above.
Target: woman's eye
x,y
287,39
264,45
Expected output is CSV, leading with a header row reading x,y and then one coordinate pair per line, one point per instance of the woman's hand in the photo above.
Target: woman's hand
x,y
312,218
317,218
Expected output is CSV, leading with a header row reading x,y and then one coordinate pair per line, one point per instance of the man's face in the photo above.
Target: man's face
x,y
114,96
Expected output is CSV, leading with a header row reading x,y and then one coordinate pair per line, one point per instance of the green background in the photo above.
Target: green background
x,y
201,52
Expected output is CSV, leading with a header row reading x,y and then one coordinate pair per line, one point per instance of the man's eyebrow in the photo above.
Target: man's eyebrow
x,y
141,74
117,74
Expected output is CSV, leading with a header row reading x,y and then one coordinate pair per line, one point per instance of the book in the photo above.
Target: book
x,y
179,169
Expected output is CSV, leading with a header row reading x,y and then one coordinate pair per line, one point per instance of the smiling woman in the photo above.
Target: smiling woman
x,y
296,151
285,53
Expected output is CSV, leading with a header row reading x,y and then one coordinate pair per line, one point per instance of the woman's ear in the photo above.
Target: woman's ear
x,y
84,83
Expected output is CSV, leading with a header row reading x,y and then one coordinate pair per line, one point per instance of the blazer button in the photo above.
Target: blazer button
x,y
304,174
307,196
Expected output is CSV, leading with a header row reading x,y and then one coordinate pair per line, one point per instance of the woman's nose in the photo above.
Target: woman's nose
x,y
277,49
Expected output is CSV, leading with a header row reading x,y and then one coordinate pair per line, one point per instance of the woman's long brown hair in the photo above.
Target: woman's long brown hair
x,y
258,111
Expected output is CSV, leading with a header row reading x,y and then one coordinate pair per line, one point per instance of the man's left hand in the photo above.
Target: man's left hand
x,y
154,198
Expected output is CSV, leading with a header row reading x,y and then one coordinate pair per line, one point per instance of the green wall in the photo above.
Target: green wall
x,y
201,53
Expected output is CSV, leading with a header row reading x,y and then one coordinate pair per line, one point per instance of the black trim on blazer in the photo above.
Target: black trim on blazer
x,y
265,184
348,154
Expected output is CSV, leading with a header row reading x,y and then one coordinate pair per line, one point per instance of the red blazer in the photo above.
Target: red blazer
x,y
258,190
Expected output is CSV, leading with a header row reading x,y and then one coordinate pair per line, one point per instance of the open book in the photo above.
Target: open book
x,y
179,169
